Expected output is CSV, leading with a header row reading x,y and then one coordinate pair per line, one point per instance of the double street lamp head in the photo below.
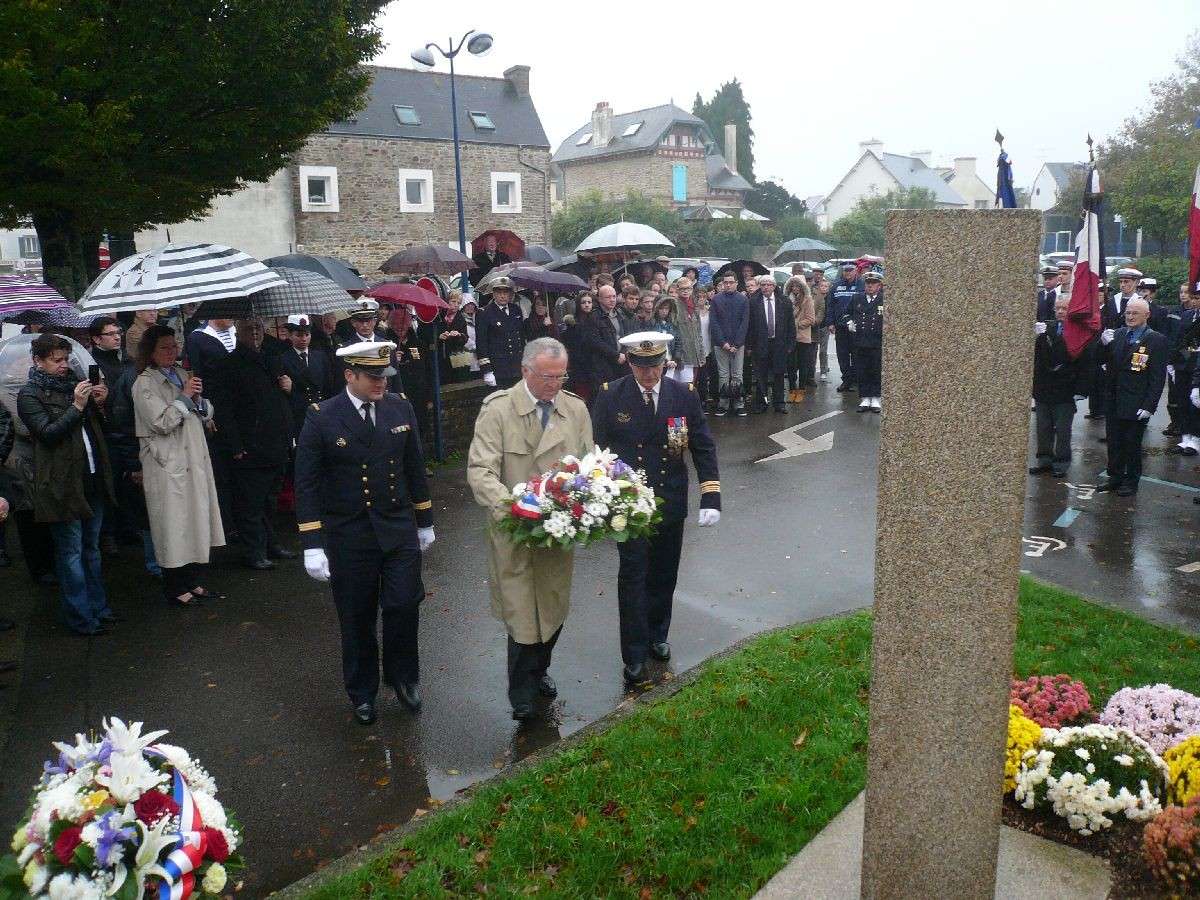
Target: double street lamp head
x,y
478,45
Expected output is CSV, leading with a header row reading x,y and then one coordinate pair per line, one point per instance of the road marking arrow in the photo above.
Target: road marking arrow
x,y
795,445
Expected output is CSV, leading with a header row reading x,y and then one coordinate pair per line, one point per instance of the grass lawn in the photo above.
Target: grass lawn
x,y
710,791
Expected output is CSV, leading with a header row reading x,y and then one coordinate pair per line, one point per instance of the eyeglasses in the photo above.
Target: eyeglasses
x,y
110,333
559,378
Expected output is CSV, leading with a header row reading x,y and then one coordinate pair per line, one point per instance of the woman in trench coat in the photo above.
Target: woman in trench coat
x,y
170,417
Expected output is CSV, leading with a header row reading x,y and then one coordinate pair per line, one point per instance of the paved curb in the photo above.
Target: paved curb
x,y
392,840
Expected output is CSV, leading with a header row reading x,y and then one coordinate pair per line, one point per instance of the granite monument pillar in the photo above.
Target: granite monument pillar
x,y
957,370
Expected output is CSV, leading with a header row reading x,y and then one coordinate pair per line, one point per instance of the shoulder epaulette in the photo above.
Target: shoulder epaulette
x,y
569,394
604,387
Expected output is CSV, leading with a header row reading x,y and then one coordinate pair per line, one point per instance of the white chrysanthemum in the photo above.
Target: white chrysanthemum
x,y
65,887
210,809
60,802
214,879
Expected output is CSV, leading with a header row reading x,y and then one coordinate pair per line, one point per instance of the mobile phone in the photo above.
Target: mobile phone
x,y
94,374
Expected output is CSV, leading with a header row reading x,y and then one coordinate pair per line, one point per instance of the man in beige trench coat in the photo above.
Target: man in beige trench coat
x,y
522,432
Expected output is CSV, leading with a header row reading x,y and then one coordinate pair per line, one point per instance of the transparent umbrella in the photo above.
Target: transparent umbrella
x,y
15,361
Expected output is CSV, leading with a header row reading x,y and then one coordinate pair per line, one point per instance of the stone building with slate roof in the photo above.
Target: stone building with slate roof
x,y
384,179
662,152
1052,179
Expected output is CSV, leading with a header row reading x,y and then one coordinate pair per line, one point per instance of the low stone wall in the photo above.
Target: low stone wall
x,y
460,406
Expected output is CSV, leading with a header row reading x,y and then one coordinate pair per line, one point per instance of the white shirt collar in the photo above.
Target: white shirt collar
x,y
358,404
535,400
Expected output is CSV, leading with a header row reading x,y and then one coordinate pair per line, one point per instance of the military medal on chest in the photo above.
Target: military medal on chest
x,y
1139,359
677,435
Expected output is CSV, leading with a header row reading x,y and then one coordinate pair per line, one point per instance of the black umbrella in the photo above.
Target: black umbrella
x,y
338,271
428,259
736,267
541,255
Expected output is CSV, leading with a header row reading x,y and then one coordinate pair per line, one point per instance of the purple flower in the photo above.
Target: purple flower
x,y
112,836
63,767
579,483
101,754
620,468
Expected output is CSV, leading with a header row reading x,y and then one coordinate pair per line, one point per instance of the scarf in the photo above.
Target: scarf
x,y
55,384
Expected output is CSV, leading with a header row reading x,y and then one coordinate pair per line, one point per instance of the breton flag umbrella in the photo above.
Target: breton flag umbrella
x,y
623,236
21,292
174,275
1194,235
1083,314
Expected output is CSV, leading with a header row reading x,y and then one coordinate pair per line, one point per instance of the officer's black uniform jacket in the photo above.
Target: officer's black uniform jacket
x,y
310,384
355,483
500,340
623,423
867,315
1136,373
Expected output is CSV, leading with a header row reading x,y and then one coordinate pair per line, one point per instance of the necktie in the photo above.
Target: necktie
x,y
304,358
770,318
367,416
648,396
545,406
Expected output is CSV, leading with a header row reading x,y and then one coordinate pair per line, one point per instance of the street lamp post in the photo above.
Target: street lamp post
x,y
476,45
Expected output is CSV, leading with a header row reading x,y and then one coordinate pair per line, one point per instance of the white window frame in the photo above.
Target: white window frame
x,y
332,200
403,176
514,207
34,250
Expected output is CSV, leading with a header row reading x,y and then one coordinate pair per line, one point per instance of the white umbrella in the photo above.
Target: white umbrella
x,y
623,236
15,362
174,275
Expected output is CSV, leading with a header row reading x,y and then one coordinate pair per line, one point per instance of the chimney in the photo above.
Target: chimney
x,y
964,166
518,77
602,124
731,146
874,145
925,156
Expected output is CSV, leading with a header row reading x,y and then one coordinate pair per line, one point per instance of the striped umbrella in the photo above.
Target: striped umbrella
x,y
301,291
64,316
174,275
21,292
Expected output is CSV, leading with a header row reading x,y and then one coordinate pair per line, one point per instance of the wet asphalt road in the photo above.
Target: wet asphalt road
x,y
252,685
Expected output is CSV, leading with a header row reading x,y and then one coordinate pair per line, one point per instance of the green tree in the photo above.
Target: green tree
x,y
862,229
729,105
774,201
592,210
114,116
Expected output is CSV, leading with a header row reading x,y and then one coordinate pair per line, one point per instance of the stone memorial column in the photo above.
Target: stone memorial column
x,y
957,371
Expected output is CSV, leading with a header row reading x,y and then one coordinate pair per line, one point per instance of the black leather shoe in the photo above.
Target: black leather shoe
x,y
634,674
781,409
410,696
1038,470
843,387
1107,486
1188,451
1126,490
661,651
1172,430
260,565
547,687
523,712
1059,473
364,713
280,553
1094,416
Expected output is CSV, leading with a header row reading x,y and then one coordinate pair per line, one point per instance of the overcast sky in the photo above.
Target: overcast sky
x,y
937,75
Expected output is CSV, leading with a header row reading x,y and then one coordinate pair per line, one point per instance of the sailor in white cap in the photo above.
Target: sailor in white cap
x,y
310,369
364,323
365,517
649,421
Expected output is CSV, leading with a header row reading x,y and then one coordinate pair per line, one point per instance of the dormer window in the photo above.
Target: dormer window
x,y
585,138
481,120
632,129
406,115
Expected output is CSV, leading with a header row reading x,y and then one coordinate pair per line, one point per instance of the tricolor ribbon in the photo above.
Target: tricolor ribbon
x,y
189,850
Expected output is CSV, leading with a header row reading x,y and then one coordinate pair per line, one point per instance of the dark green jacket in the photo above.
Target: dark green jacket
x,y
59,457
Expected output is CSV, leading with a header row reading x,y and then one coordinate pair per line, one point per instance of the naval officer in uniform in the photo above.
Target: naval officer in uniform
x,y
649,421
364,514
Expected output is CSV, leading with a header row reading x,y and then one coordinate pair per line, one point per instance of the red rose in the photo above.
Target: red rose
x,y
216,847
153,805
577,510
65,844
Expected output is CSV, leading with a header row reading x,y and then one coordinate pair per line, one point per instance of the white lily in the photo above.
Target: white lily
x,y
76,754
128,776
129,738
154,841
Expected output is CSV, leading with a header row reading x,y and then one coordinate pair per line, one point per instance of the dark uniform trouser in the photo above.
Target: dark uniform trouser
x,y
1098,396
843,337
1054,422
255,491
645,588
527,664
364,580
1124,450
767,380
1178,400
868,367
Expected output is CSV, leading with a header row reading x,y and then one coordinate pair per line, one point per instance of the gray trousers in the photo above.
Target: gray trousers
x,y
729,365
823,343
1054,433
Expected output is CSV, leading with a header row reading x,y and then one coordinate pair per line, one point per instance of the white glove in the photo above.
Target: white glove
x,y
1195,397
709,517
1143,415
1039,327
1171,373
1106,336
489,379
851,327
316,564
425,537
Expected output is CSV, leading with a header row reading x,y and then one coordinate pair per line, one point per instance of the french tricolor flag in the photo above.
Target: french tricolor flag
x,y
1194,234
1083,314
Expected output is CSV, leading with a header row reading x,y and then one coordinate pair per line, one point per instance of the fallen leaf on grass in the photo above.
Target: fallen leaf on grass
x,y
550,872
482,857
580,821
627,875
463,840
800,739
645,894
383,782
743,701
689,823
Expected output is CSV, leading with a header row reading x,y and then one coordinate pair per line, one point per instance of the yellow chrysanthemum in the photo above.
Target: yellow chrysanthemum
x,y
1023,734
1183,761
95,800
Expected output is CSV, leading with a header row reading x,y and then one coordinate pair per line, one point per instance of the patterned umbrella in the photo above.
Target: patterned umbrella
x,y
21,292
428,259
62,316
177,274
299,291
340,272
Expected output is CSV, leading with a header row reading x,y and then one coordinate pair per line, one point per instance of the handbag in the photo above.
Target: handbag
x,y
461,359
